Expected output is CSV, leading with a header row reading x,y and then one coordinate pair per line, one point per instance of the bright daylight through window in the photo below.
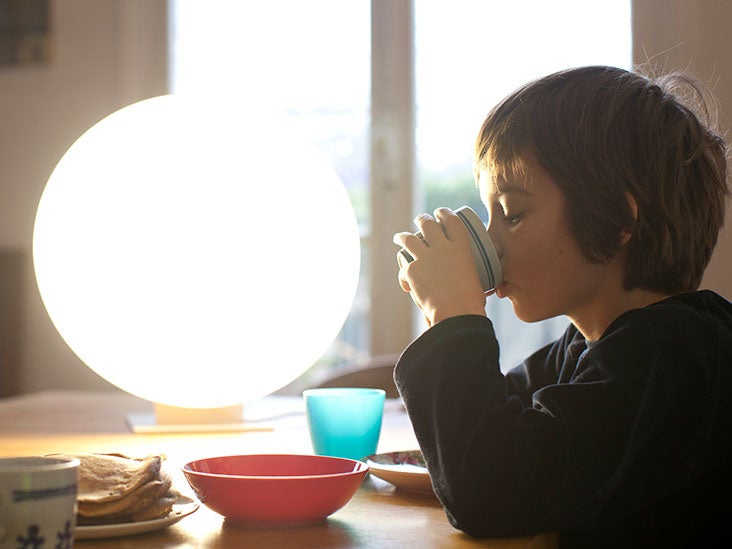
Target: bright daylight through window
x,y
312,59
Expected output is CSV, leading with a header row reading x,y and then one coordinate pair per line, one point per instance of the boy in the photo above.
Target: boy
x,y
605,194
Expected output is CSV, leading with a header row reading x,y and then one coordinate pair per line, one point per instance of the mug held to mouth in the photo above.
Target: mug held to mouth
x,y
484,252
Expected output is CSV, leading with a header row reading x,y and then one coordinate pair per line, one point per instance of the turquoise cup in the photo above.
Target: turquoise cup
x,y
344,422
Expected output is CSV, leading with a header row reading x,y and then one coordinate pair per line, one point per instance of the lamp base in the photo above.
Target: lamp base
x,y
170,419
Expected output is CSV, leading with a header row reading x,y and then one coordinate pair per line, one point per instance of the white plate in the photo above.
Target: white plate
x,y
182,508
405,470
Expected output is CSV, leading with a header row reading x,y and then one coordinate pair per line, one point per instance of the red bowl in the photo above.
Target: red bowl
x,y
276,490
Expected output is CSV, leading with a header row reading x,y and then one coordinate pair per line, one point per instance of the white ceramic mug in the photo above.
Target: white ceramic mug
x,y
484,253
38,502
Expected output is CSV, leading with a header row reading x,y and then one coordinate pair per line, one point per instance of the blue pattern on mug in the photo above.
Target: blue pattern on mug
x,y
35,540
29,495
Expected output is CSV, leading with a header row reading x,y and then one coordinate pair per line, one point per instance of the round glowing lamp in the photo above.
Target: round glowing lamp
x,y
196,253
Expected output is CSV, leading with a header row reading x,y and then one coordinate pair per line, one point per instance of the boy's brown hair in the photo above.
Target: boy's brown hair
x,y
605,135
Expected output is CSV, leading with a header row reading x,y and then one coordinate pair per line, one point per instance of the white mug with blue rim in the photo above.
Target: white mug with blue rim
x,y
38,502
484,252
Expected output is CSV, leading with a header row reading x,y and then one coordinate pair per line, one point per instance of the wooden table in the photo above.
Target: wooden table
x,y
378,516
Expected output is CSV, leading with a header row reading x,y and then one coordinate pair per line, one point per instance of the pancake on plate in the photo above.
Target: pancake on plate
x,y
114,488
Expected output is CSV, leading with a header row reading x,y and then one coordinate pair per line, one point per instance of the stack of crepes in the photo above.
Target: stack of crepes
x,y
114,488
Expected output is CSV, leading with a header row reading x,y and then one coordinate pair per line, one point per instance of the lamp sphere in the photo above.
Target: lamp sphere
x,y
196,252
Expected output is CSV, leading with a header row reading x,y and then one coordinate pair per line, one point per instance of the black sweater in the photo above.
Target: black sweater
x,y
627,443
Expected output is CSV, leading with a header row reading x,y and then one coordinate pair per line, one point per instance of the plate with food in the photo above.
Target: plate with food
x,y
120,495
406,470
183,507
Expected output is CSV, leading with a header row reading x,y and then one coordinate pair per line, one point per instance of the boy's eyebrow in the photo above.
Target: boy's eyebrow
x,y
511,189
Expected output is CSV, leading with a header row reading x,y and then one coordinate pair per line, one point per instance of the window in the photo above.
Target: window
x,y
394,92
312,60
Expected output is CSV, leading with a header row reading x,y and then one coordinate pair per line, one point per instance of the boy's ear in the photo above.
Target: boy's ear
x,y
625,235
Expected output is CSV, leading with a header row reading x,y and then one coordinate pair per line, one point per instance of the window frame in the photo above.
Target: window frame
x,y
393,168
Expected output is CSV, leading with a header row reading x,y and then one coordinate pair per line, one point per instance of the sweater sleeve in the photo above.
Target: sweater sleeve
x,y
472,431
583,451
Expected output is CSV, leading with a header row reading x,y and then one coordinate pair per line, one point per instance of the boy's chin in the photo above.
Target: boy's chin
x,y
528,314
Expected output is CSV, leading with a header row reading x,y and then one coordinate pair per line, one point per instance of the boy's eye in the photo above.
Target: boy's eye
x,y
513,219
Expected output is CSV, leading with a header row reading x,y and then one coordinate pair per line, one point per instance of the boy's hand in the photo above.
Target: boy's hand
x,y
442,279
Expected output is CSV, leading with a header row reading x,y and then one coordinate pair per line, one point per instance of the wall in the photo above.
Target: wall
x,y
105,54
693,36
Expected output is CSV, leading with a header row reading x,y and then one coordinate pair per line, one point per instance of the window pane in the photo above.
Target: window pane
x,y
310,59
469,55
